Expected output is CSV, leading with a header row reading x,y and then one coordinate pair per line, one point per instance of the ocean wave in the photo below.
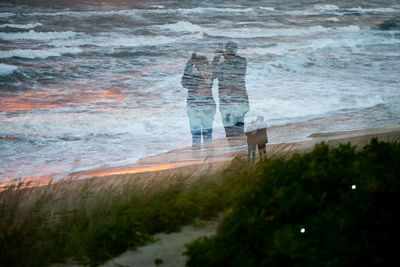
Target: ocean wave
x,y
283,108
349,28
355,43
390,25
122,12
6,15
208,10
136,12
336,20
312,12
20,26
374,10
32,35
326,7
267,8
261,51
335,10
248,32
6,69
181,26
260,32
252,32
39,53
124,41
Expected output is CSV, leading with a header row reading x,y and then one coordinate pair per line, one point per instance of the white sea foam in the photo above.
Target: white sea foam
x,y
246,32
123,12
265,32
267,8
136,12
39,53
20,26
261,51
307,105
306,12
326,7
333,19
350,28
181,26
206,10
6,69
317,10
375,10
33,35
357,42
251,32
124,41
6,15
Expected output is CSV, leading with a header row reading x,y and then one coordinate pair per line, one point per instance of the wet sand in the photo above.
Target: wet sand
x,y
220,152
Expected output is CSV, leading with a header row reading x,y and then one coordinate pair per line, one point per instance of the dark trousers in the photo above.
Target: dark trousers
x,y
234,130
257,138
233,120
252,150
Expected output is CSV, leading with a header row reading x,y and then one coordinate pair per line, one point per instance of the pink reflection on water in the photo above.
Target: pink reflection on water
x,y
47,98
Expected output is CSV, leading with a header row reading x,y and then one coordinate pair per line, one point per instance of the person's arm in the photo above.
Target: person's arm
x,y
215,64
189,67
243,68
188,79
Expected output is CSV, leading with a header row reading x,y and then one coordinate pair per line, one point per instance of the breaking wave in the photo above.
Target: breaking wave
x,y
21,26
6,69
33,35
39,53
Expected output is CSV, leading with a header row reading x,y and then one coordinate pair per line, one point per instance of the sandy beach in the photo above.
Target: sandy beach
x,y
168,248
208,158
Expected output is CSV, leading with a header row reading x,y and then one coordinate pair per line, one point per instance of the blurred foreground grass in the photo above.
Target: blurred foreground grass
x,y
266,204
94,220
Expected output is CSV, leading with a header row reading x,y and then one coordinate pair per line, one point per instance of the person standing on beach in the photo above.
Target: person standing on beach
x,y
233,99
201,107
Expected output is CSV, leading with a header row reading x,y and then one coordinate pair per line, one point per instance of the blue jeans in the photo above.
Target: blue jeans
x,y
201,121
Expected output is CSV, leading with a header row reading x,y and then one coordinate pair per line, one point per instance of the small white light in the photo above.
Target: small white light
x,y
353,186
302,230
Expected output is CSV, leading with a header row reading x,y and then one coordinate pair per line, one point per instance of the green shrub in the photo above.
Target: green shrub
x,y
329,207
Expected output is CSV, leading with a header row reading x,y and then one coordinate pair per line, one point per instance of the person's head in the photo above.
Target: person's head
x,y
231,48
201,62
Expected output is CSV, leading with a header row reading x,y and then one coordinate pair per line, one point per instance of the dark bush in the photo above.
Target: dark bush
x,y
329,207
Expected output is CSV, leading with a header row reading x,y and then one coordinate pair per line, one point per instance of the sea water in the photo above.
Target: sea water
x,y
93,84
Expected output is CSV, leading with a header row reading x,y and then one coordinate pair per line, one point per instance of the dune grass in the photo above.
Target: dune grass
x,y
92,221
265,205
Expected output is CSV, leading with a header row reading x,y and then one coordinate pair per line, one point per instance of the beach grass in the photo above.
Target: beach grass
x,y
94,220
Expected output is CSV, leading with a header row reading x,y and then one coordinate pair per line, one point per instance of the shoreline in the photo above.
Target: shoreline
x,y
214,155
219,151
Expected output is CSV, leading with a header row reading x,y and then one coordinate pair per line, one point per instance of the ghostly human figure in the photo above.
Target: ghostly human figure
x,y
257,138
197,79
233,99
